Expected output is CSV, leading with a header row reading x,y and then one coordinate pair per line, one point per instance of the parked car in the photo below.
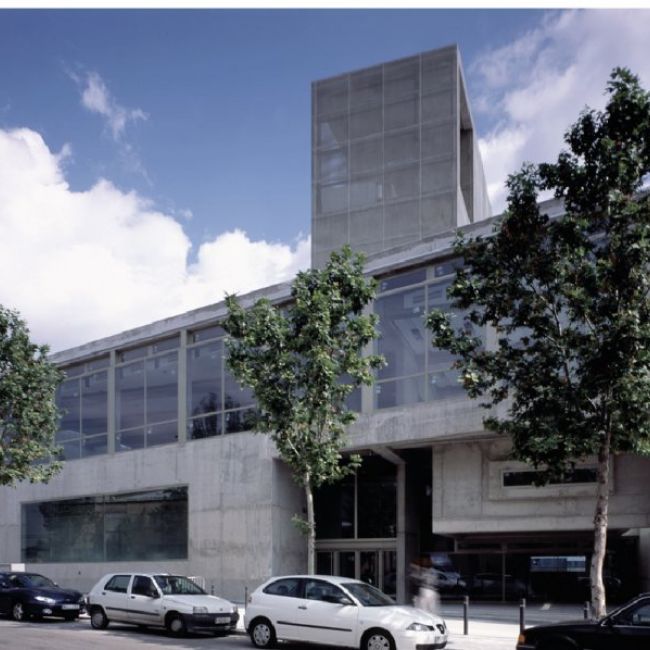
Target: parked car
x,y
24,595
159,600
333,610
626,628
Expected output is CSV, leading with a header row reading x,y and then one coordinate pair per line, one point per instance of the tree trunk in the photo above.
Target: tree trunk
x,y
600,531
311,533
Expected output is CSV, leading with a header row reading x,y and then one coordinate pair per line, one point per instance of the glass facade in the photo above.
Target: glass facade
x,y
146,399
216,402
148,525
83,400
415,370
360,506
180,387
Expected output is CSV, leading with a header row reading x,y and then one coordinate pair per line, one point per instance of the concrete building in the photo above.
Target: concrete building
x,y
163,473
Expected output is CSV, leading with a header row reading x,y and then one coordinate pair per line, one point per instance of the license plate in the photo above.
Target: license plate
x,y
222,620
69,606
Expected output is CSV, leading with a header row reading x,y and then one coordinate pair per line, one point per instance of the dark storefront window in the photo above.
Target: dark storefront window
x,y
362,506
148,525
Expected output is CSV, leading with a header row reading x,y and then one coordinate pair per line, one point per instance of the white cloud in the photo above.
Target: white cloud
x,y
83,265
536,86
96,97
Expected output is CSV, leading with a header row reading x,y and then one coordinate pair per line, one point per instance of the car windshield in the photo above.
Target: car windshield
x,y
368,595
178,585
34,580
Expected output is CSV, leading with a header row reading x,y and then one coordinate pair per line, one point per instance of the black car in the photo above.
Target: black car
x,y
626,628
30,594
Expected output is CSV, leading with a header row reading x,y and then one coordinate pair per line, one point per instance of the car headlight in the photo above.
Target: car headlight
x,y
200,610
46,600
419,627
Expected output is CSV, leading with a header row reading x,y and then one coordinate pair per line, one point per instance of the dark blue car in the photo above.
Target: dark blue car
x,y
24,595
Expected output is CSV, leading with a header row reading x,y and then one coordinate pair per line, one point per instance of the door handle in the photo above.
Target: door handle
x,y
302,606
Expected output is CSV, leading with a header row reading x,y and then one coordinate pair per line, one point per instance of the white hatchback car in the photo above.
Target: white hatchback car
x,y
159,600
338,611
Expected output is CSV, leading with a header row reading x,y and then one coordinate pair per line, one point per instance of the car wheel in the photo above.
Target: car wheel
x,y
18,612
176,625
262,633
98,619
377,639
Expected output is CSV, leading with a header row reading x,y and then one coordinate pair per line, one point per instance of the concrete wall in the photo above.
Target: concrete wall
x,y
468,495
241,501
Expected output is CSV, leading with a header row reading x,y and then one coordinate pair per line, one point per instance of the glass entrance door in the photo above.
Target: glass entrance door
x,y
377,567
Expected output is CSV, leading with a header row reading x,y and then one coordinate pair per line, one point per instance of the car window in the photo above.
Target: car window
x,y
368,595
143,586
287,587
37,580
18,581
638,615
118,583
321,590
178,585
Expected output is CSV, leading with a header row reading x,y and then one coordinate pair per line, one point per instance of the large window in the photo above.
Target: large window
x,y
415,371
216,402
146,400
83,401
112,528
360,506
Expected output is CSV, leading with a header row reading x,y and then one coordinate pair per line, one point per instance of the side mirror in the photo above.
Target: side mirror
x,y
152,593
344,600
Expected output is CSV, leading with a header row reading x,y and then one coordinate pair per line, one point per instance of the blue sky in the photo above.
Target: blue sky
x,y
153,159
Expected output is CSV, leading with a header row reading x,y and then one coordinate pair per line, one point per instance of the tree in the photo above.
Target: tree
x,y
301,362
568,298
28,414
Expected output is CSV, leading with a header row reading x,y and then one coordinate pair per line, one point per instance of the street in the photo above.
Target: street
x,y
54,633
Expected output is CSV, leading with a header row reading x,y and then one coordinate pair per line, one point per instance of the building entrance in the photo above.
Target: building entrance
x,y
376,566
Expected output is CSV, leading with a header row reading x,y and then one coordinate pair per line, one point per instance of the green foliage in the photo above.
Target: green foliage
x,y
28,414
303,360
568,296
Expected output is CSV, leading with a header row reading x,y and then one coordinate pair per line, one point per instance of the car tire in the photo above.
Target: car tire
x,y
98,619
377,639
262,633
175,625
18,611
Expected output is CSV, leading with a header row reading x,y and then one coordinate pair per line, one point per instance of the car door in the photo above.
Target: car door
x,y
113,597
631,627
145,602
324,619
282,602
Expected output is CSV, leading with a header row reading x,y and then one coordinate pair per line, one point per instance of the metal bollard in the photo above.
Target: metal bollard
x,y
522,615
212,589
245,596
466,615
587,610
